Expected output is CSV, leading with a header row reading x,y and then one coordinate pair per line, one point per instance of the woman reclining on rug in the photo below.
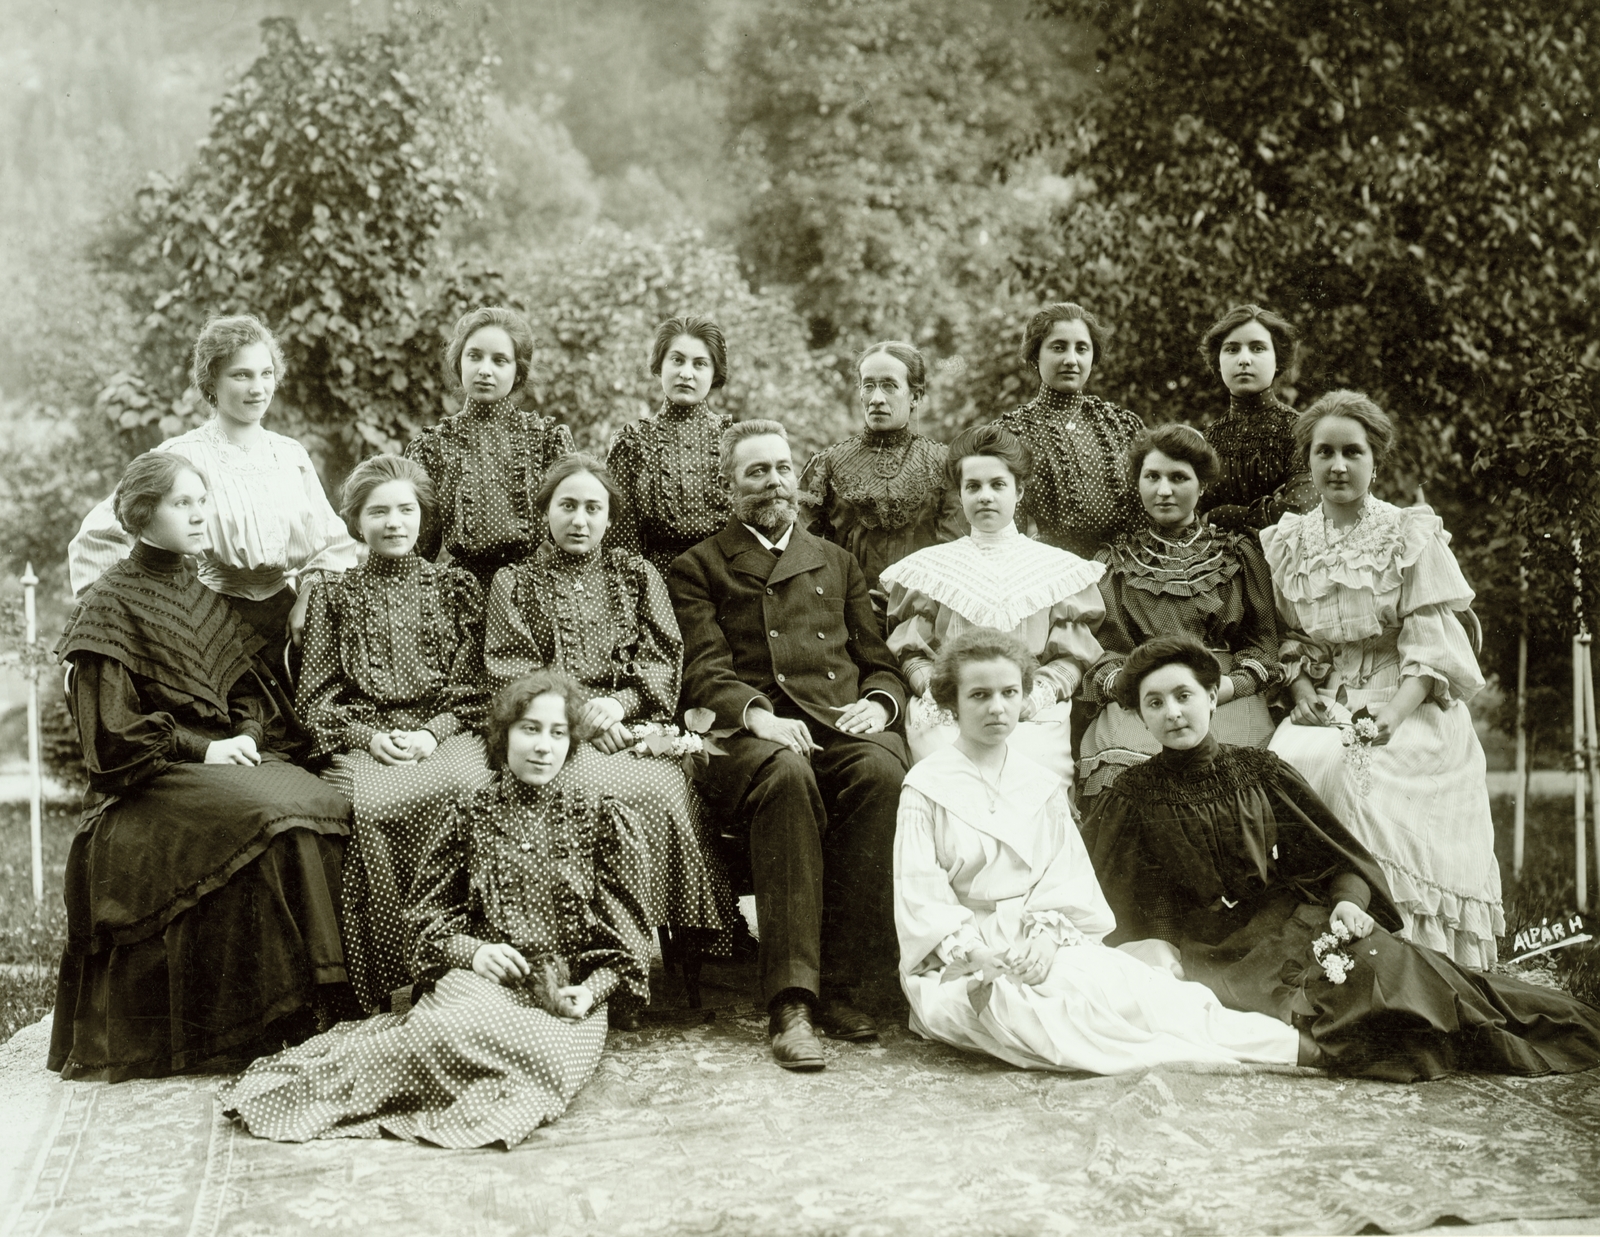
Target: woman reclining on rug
x,y
999,916
1244,880
528,916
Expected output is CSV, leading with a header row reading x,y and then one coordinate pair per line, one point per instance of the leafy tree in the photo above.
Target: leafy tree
x,y
314,203
877,137
1413,183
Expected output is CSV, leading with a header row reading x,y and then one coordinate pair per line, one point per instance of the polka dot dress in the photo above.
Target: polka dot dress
x,y
486,463
394,645
1078,497
552,870
666,466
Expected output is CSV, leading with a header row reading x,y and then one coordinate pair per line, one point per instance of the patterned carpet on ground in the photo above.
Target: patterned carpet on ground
x,y
688,1128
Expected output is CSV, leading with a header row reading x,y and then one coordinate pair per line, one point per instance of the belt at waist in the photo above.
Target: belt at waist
x,y
253,583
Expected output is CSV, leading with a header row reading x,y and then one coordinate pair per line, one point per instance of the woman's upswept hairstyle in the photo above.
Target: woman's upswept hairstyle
x,y
570,465
1179,442
508,320
737,433
146,480
219,339
1165,651
699,327
977,644
907,355
512,701
378,470
1342,403
1285,339
1062,311
994,440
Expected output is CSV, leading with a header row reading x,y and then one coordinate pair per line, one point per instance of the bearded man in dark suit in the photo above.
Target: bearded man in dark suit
x,y
781,642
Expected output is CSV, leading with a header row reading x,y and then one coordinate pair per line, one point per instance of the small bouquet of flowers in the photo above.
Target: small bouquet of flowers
x,y
691,748
1327,950
1359,735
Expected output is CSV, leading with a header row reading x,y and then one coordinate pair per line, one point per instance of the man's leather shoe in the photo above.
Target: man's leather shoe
x,y
794,1041
843,1021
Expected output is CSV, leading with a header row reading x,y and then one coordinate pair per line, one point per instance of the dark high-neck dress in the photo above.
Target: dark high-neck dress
x,y
1201,582
1227,853
606,619
201,898
394,645
1078,498
1263,475
487,463
666,466
557,873
881,495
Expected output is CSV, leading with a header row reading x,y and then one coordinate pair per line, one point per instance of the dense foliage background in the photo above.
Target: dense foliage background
x,y
1414,184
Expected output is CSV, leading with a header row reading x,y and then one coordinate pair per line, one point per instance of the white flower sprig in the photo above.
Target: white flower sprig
x,y
1326,950
1358,736
655,739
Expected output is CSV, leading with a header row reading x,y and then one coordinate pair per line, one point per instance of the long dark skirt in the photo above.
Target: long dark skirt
x,y
1404,1012
201,910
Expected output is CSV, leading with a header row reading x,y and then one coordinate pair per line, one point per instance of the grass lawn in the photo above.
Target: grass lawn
x,y
31,937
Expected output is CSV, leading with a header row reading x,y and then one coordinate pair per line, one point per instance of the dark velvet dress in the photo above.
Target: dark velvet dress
x,y
666,466
553,871
487,463
1226,853
1078,498
1201,582
882,496
201,899
606,619
394,645
1263,475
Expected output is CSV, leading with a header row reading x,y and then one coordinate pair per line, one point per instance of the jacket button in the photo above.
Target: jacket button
x,y
780,678
773,633
819,590
822,635
832,675
769,592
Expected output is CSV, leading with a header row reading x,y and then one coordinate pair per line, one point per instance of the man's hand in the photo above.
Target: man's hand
x,y
602,713
863,717
790,732
239,750
613,739
501,963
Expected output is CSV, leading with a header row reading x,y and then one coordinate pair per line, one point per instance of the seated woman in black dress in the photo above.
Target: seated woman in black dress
x,y
202,887
1239,877
393,690
604,616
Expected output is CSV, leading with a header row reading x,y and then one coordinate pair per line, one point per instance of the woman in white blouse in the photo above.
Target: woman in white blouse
x,y
271,527
1369,595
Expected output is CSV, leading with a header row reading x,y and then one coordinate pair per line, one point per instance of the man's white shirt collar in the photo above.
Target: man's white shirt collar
x,y
778,546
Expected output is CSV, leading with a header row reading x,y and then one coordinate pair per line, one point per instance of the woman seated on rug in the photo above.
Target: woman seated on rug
x,y
202,887
486,461
603,616
1001,921
1180,574
271,531
996,577
1369,595
392,687
881,494
665,463
1230,870
529,918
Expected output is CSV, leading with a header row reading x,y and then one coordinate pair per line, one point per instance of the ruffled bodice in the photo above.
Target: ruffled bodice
x,y
1263,474
1378,595
666,465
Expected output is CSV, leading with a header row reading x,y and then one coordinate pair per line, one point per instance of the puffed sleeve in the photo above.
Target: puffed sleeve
x,y
618,952
100,543
1432,642
1118,635
932,925
509,649
340,716
913,638
1071,648
654,675
624,461
439,910
1254,643
814,483
333,548
465,701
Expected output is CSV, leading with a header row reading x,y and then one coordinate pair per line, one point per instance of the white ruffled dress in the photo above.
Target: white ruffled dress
x,y
1364,609
1047,598
978,864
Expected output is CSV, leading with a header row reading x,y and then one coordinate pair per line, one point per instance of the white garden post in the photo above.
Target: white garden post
x,y
1519,821
35,773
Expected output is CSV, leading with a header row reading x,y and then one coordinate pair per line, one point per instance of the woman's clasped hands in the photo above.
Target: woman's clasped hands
x,y
394,747
505,965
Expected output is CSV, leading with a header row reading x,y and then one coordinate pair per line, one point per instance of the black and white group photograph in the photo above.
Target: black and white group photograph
x,y
799,618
